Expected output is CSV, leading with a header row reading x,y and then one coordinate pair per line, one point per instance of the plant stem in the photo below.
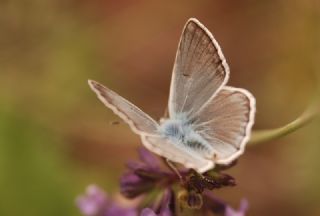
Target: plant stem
x,y
309,114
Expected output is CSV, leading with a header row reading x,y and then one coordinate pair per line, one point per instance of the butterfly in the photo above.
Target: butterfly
x,y
209,123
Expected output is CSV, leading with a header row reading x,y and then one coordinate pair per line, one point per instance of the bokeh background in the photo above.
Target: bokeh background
x,y
56,137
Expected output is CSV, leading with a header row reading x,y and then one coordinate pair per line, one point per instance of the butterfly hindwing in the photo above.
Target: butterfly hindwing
x,y
176,153
226,122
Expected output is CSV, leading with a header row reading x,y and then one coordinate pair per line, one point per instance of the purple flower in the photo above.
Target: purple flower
x,y
93,202
166,207
148,212
96,203
242,209
146,174
148,158
143,175
132,185
217,206
115,210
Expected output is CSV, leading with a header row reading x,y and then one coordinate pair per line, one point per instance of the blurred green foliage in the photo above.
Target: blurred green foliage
x,y
35,178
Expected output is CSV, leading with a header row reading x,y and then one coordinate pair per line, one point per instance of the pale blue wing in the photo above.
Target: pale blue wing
x,y
140,122
226,122
200,70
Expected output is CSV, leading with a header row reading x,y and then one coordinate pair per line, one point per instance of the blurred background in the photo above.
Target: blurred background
x,y
56,137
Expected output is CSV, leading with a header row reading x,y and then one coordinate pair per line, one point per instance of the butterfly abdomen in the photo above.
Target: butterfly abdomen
x,y
194,144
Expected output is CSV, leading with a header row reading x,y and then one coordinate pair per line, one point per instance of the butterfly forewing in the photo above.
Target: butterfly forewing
x,y
139,121
200,70
226,121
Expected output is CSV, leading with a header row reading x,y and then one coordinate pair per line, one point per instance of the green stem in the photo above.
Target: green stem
x,y
309,114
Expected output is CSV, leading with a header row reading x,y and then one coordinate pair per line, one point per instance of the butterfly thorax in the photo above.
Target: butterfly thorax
x,y
181,133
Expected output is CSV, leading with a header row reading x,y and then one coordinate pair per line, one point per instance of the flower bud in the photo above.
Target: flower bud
x,y
190,199
132,185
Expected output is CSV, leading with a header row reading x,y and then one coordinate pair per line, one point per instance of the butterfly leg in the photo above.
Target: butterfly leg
x,y
174,169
